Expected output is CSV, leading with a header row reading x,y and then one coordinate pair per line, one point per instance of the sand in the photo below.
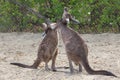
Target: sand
x,y
104,53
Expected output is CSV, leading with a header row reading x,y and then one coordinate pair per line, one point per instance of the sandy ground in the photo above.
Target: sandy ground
x,y
104,53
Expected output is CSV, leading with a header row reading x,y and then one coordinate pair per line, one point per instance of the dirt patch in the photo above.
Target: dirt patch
x,y
104,53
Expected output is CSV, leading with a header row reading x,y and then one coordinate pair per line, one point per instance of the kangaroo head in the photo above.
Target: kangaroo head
x,y
47,28
44,26
50,26
67,17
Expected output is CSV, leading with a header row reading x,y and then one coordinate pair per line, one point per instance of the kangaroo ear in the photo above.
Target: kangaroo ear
x,y
65,9
44,26
65,12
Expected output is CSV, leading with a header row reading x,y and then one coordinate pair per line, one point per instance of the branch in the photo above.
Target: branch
x,y
31,10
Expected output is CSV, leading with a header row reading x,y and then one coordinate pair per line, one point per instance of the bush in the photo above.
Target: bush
x,y
95,15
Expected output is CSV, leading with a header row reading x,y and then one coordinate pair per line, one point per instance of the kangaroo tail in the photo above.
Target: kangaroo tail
x,y
21,65
93,72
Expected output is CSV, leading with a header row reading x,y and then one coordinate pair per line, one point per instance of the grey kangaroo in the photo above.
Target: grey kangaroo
x,y
75,46
47,49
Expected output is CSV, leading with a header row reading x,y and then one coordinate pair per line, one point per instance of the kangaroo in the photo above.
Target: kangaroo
x,y
47,49
75,46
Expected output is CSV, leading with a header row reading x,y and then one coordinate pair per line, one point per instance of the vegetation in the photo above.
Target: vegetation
x,y
96,16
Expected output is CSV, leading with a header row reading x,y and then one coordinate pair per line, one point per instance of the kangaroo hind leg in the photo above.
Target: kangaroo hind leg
x,y
54,60
70,64
80,68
